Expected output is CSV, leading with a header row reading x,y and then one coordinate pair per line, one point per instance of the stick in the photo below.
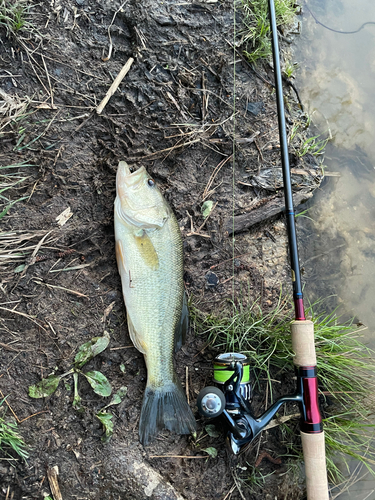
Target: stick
x,y
114,86
52,474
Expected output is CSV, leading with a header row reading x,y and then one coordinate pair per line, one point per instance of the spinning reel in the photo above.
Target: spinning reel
x,y
233,396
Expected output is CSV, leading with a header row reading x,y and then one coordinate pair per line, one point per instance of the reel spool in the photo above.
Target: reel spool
x,y
224,368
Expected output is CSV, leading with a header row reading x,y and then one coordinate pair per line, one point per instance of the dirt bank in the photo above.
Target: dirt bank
x,y
179,113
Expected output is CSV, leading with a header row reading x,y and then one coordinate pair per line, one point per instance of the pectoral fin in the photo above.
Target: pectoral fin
x,y
136,337
182,327
146,249
120,257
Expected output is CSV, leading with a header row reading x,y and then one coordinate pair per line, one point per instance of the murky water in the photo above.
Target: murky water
x,y
336,79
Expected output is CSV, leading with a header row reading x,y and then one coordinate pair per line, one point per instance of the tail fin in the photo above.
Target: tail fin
x,y
165,407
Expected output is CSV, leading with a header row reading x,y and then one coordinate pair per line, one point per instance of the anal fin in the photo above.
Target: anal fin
x,y
182,327
136,337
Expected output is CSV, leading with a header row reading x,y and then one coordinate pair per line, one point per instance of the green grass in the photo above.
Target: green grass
x,y
10,439
255,36
13,15
302,146
346,369
12,178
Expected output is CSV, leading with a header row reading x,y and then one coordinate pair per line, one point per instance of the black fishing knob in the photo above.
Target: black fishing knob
x,y
211,402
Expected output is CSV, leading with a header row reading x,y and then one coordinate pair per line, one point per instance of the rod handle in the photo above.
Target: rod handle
x,y
314,455
303,343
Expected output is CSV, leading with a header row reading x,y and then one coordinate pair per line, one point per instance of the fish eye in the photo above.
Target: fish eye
x,y
132,169
151,182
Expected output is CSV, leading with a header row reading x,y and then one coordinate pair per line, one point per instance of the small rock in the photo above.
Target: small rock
x,y
212,279
255,108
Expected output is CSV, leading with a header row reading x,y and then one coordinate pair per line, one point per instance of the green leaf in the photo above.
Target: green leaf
x,y
211,431
99,383
106,420
122,392
122,367
118,397
45,387
211,451
206,208
20,268
91,349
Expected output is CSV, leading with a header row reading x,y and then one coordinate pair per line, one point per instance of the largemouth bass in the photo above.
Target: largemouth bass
x,y
150,262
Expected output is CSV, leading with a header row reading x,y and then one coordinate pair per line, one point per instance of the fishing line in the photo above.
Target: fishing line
x,y
338,31
234,153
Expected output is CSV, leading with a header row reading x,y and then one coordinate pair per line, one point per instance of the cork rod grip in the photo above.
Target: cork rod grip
x,y
303,343
315,466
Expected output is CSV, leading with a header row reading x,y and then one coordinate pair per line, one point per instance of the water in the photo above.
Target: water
x,y
336,79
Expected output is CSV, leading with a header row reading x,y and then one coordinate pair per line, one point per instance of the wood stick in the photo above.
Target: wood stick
x,y
269,209
52,474
112,89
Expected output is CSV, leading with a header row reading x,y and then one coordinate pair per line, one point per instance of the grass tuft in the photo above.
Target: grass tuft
x,y
255,35
10,439
13,15
12,178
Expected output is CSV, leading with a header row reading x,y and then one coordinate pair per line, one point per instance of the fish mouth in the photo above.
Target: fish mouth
x,y
130,176
125,168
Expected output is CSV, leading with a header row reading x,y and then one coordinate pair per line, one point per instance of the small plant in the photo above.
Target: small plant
x,y
255,36
13,15
11,178
10,439
289,69
99,382
302,146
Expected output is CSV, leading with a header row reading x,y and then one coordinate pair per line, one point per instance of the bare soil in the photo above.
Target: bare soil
x,y
178,112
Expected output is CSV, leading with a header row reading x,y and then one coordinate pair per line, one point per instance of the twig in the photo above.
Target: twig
x,y
8,347
198,234
14,414
33,255
234,475
123,347
217,169
230,491
49,83
281,420
107,311
115,84
24,315
177,456
105,59
48,285
52,474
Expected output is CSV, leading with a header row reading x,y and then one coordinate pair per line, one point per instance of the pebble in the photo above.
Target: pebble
x,y
212,279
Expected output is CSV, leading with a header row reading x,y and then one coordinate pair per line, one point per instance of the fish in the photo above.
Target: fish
x,y
149,255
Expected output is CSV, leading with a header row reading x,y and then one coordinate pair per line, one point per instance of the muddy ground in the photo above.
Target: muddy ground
x,y
177,112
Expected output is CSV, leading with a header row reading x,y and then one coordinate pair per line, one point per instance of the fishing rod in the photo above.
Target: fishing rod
x,y
231,397
302,330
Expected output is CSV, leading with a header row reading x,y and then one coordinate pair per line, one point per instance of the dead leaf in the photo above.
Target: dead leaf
x,y
64,216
